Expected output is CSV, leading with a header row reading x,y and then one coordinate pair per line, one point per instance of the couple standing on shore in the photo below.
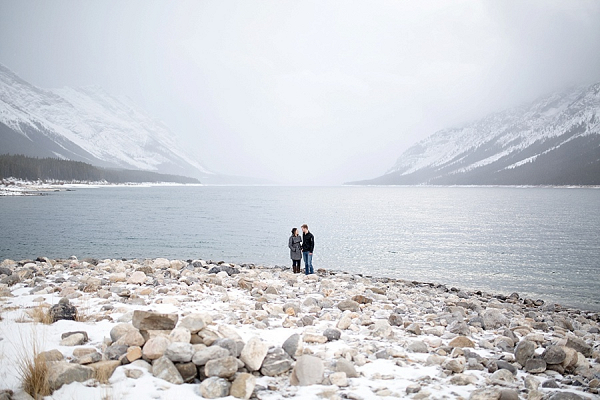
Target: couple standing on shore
x,y
302,248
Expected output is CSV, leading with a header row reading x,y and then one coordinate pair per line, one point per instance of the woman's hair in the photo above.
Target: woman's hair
x,y
294,231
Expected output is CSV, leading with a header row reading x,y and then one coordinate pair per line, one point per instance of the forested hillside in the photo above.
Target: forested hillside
x,y
55,169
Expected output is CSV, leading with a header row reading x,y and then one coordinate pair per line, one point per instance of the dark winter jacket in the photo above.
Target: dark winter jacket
x,y
308,242
295,247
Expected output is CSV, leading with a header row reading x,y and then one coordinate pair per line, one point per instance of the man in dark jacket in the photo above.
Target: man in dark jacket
x,y
308,245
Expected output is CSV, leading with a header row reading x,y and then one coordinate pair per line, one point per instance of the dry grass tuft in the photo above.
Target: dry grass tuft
x,y
33,371
83,314
40,314
102,375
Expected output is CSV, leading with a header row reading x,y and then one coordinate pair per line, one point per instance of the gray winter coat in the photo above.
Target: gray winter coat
x,y
295,247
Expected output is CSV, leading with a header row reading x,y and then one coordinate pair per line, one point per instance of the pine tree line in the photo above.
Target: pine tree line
x,y
54,169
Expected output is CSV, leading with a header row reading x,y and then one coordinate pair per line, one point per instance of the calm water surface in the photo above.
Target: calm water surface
x,y
540,242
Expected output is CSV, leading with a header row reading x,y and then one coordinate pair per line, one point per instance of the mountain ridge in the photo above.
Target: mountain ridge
x,y
554,140
89,125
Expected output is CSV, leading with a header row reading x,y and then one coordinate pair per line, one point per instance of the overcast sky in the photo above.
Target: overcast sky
x,y
306,92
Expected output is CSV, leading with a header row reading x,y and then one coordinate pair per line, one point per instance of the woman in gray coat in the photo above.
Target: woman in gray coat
x,y
295,245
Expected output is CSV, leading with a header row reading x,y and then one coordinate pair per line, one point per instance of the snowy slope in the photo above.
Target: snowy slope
x,y
87,124
554,140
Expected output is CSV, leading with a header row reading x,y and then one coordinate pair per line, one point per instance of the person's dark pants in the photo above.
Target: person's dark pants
x,y
296,266
308,267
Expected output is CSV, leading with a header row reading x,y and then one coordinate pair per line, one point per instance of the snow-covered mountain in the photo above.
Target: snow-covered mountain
x,y
553,141
87,124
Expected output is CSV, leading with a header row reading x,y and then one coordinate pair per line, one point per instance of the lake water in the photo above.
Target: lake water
x,y
539,242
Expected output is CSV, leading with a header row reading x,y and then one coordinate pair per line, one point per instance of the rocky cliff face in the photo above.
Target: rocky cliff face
x,y
552,141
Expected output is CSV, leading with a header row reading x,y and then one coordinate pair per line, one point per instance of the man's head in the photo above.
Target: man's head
x,y
305,228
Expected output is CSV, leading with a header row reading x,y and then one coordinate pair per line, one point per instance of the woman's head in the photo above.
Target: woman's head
x,y
294,231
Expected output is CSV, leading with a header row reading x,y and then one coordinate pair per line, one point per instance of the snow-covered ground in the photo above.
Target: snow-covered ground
x,y
401,338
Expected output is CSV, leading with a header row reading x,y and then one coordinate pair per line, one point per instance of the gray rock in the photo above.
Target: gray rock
x,y
253,353
579,345
554,355
493,318
349,305
453,365
194,322
230,270
485,394
148,321
503,375
338,379
229,344
202,356
224,367
179,352
116,351
63,311
120,330
63,373
505,344
155,347
67,334
343,365
550,384
510,334
188,371
88,358
10,280
51,355
413,388
332,334
463,379
505,365
307,320
214,388
311,302
566,396
243,386
180,334
535,365
509,394
307,371
163,368
459,327
395,319
73,340
418,346
414,328
382,354
276,362
292,344
131,338
5,271
524,351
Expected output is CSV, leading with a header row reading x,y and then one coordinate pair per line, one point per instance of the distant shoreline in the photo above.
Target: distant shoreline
x,y
12,187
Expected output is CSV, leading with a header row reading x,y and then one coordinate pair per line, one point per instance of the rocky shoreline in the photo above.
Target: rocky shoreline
x,y
163,329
